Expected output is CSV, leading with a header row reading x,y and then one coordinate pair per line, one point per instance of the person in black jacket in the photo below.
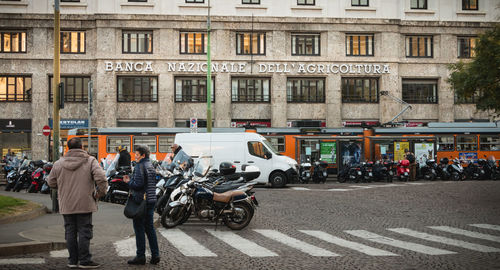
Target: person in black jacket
x,y
124,159
143,183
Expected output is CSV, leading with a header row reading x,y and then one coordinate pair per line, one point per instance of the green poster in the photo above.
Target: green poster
x,y
329,152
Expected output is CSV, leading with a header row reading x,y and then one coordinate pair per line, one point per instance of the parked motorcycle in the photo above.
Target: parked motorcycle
x,y
428,171
117,188
13,174
350,173
305,172
456,170
442,169
46,171
319,173
403,170
382,171
24,179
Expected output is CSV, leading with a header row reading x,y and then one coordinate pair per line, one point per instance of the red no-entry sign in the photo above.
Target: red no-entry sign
x,y
46,130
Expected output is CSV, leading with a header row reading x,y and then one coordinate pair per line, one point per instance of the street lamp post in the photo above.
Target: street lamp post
x,y
209,75
55,85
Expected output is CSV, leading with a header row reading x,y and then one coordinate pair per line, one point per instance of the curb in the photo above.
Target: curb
x,y
29,247
40,211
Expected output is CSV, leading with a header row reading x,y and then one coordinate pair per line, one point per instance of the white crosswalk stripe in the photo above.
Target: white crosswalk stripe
x,y
296,244
300,188
445,240
22,261
486,226
397,243
340,189
63,253
245,246
467,233
127,247
348,244
185,243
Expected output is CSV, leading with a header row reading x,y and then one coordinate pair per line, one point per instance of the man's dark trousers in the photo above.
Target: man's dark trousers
x,y
78,229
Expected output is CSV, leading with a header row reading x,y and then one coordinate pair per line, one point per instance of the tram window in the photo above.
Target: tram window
x,y
490,143
164,144
466,143
115,141
446,143
94,147
150,141
277,142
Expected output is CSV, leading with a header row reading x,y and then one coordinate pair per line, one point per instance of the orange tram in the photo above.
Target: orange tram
x,y
334,145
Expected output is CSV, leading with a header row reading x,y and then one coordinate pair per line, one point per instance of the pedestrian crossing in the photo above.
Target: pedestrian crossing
x,y
274,243
191,243
361,187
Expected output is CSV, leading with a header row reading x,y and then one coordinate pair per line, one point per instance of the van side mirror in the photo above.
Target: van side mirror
x,y
269,156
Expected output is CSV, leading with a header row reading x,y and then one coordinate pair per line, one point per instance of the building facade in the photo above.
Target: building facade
x,y
275,63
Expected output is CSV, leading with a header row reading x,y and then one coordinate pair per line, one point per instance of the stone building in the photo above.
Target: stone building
x,y
275,63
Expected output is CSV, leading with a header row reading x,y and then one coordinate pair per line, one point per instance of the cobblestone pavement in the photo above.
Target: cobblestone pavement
x,y
430,225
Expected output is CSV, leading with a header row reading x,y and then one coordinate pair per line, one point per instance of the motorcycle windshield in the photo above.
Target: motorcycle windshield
x,y
24,165
202,166
14,162
112,165
181,161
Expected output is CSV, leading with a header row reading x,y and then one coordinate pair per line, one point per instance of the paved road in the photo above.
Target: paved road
x,y
422,225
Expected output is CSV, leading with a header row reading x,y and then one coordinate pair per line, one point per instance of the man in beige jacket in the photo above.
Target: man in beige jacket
x,y
75,176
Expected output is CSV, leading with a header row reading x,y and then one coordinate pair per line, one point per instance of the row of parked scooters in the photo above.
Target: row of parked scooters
x,y
29,175
184,189
387,171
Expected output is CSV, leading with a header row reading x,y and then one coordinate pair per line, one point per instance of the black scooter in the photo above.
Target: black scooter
x,y
319,173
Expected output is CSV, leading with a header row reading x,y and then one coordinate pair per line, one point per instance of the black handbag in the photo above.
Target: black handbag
x,y
134,209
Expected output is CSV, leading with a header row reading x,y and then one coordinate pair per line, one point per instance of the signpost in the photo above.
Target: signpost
x,y
46,130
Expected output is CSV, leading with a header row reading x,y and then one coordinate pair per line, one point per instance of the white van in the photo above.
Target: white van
x,y
241,148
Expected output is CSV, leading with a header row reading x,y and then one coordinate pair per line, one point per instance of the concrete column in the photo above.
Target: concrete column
x,y
166,92
40,108
392,84
106,92
446,98
278,100
333,101
221,109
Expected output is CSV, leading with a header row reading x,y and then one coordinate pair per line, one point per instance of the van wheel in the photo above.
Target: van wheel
x,y
277,180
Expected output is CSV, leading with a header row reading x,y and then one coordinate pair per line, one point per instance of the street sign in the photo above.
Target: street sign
x,y
46,130
193,124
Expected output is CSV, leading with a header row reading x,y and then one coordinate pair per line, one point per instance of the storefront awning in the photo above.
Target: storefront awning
x,y
409,138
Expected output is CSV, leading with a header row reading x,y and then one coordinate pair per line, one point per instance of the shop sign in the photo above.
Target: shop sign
x,y
360,123
414,124
240,124
71,123
467,155
17,125
328,152
238,67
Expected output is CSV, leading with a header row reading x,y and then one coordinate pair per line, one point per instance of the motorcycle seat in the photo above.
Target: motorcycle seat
x,y
224,188
227,196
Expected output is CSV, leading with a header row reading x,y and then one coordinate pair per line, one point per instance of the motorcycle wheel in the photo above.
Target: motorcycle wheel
x,y
17,187
239,221
455,177
32,189
160,204
342,178
173,216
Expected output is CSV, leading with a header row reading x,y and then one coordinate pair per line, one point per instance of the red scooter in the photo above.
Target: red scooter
x,y
403,170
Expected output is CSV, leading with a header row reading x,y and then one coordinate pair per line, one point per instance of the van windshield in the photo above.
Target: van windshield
x,y
270,147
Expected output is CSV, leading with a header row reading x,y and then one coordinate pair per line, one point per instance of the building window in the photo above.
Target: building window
x,y
470,4
418,4
75,88
466,143
306,2
250,2
306,90
15,88
115,141
419,46
467,100
137,123
137,89
250,89
466,47
165,143
446,143
359,3
150,141
363,90
489,143
277,142
359,45
306,44
72,41
251,43
71,1
137,42
202,123
192,89
420,91
195,1
12,42
193,43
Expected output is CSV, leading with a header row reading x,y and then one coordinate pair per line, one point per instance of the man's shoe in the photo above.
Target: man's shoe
x,y
138,261
154,260
73,266
89,265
